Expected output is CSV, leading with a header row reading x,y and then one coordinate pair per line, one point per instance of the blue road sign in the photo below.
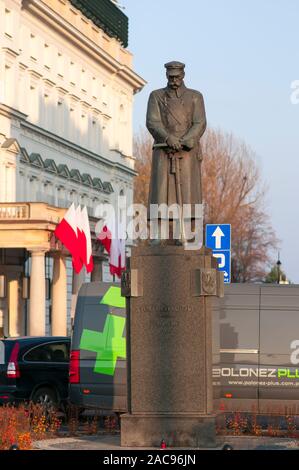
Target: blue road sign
x,y
218,238
223,258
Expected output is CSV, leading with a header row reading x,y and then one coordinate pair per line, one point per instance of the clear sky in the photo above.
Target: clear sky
x,y
243,56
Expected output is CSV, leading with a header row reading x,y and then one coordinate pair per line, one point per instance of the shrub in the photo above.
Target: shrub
x,y
14,427
110,424
24,424
254,424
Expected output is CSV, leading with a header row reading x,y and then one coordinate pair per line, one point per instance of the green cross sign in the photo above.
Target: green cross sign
x,y
109,345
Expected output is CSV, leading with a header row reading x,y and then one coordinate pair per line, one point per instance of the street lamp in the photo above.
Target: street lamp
x,y
278,264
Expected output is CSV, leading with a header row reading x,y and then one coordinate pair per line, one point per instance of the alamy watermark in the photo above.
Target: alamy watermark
x,y
295,93
158,222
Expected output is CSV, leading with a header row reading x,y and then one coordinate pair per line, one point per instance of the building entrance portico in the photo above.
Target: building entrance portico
x,y
33,298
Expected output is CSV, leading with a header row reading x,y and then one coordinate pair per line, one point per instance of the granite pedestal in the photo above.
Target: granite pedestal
x,y
169,347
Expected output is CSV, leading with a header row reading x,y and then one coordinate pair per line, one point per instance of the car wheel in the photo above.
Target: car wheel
x,y
46,397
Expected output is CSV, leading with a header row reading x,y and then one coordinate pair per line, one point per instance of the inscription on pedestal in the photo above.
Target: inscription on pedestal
x,y
164,308
165,323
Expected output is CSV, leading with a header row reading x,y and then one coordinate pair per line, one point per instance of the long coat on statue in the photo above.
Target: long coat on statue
x,y
179,113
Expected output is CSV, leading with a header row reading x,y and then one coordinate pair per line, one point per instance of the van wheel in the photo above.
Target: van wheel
x,y
46,397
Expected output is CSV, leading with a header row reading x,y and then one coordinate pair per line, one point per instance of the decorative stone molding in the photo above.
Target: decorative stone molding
x,y
34,78
62,170
11,146
8,111
61,92
10,56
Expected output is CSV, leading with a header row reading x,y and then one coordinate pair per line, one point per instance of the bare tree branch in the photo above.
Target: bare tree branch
x,y
233,193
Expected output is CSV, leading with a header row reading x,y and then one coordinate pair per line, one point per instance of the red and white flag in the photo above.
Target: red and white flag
x,y
86,241
115,246
80,236
74,232
66,232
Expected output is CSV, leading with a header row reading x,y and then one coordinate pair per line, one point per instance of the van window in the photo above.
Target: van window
x,y
2,353
55,352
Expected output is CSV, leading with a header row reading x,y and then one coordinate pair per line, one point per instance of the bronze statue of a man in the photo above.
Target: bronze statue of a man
x,y
176,119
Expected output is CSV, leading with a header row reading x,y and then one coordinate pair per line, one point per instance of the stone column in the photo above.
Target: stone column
x,y
15,308
97,272
37,309
59,296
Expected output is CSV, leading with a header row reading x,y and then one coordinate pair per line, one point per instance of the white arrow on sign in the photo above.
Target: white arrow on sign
x,y
218,234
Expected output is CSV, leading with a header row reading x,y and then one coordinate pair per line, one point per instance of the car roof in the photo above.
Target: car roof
x,y
36,339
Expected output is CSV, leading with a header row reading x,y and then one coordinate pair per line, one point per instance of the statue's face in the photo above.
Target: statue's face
x,y
175,80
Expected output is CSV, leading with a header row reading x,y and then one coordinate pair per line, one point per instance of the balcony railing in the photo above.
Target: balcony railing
x,y
30,212
14,211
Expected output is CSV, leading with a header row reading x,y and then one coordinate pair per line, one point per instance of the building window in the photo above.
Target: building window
x,y
60,117
8,85
46,110
60,65
83,80
72,122
71,197
33,47
105,94
8,23
94,133
47,56
123,128
61,197
51,199
34,103
72,73
84,127
94,88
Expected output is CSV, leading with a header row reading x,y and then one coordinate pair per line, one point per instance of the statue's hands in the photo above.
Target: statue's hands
x,y
174,143
188,143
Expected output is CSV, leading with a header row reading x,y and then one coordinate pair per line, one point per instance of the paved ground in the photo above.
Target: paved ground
x,y
112,442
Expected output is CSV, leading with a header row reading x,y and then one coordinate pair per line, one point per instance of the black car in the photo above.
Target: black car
x,y
34,368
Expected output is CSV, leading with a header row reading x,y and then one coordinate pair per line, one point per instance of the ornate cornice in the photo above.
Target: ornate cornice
x,y
73,35
63,172
10,112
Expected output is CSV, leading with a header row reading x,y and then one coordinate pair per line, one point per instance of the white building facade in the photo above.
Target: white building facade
x,y
66,99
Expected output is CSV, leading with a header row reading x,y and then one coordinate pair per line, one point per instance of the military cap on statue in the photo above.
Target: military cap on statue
x,y
174,66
